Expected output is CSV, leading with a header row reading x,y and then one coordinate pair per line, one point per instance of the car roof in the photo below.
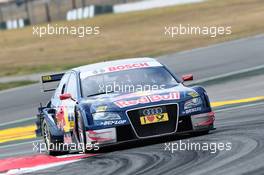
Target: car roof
x,y
96,66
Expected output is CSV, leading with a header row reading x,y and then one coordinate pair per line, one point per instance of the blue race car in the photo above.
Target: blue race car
x,y
118,101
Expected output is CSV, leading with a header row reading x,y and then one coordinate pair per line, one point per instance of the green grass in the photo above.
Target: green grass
x,y
127,35
4,86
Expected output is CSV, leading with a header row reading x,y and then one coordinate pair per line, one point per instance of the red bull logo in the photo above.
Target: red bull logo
x,y
148,99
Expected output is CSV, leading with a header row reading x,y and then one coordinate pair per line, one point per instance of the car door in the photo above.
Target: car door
x,y
58,104
69,104
55,100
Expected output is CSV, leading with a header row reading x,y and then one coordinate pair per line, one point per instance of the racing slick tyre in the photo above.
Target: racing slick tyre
x,y
81,132
200,133
50,146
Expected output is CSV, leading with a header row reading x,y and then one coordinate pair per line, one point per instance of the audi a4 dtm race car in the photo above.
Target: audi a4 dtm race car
x,y
118,101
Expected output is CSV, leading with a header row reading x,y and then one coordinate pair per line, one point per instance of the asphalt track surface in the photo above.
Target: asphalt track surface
x,y
242,126
203,63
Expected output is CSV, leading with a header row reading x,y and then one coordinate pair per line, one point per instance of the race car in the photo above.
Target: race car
x,y
119,101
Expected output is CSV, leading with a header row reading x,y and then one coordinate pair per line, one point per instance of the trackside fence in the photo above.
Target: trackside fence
x,y
19,13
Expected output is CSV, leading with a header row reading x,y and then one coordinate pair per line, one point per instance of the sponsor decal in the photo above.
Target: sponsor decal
x,y
46,78
86,74
127,67
112,122
188,111
135,94
152,111
71,120
163,117
60,117
148,99
193,94
126,103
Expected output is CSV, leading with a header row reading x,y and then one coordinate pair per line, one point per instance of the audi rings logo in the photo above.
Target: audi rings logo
x,y
152,111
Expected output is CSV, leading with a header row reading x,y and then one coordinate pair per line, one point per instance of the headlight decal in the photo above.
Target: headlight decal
x,y
106,116
195,102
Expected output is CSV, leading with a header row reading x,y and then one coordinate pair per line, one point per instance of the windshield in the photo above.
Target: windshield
x,y
134,80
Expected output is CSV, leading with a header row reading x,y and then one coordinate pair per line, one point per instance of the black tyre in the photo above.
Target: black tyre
x,y
200,133
51,147
81,132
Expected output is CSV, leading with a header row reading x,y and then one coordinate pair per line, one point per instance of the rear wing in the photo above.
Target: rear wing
x,y
50,82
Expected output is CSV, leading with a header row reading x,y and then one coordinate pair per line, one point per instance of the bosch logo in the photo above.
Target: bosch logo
x,y
152,111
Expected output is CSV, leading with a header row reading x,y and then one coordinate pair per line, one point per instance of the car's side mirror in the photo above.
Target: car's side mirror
x,y
65,96
188,77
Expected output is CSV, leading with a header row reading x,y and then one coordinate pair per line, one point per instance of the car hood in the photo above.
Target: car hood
x,y
125,101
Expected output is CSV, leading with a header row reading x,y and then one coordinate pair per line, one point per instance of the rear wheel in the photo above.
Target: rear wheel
x,y
200,133
50,146
81,132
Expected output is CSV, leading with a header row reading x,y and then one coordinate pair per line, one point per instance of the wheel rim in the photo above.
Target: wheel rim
x,y
46,136
80,132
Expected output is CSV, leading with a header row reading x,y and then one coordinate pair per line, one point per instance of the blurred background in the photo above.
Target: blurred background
x,y
128,28
39,11
20,13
